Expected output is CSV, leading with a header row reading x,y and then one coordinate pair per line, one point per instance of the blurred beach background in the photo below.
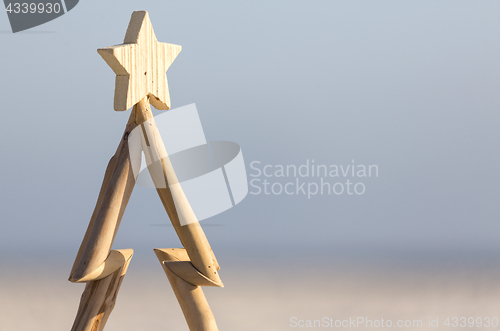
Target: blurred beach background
x,y
412,87
266,290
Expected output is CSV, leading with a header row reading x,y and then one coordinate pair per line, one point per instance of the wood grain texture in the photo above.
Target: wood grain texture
x,y
178,262
115,260
99,298
140,65
191,298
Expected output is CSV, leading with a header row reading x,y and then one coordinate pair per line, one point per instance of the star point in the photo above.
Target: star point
x,y
140,65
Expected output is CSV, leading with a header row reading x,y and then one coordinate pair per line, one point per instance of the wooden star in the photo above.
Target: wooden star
x,y
140,65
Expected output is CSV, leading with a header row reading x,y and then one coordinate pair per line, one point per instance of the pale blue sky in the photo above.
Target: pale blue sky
x,y
413,87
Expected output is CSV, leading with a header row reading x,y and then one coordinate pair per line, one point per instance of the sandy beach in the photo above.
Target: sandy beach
x,y
260,295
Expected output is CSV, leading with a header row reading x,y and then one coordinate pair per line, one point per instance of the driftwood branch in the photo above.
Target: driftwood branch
x,y
173,198
99,297
191,298
115,192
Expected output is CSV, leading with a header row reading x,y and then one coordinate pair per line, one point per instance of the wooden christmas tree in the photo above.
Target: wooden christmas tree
x,y
140,64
